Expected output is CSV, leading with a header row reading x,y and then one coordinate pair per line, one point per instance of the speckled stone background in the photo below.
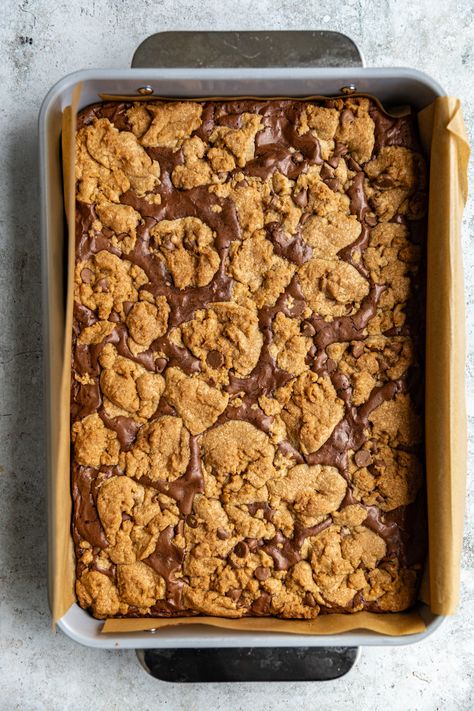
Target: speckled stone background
x,y
40,41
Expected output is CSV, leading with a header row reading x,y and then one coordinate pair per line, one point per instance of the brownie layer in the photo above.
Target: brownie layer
x,y
247,367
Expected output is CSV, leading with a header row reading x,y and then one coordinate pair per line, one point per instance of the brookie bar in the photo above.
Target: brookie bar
x,y
247,366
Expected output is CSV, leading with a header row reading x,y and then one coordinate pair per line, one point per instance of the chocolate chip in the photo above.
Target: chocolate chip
x,y
280,238
301,198
385,182
331,365
362,458
357,349
347,116
234,594
352,164
222,534
261,606
103,284
214,359
341,381
309,600
262,573
339,151
326,172
192,521
160,364
333,183
254,543
86,275
241,549
307,329
179,530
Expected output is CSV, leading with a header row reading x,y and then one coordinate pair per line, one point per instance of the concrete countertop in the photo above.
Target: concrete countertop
x,y
40,41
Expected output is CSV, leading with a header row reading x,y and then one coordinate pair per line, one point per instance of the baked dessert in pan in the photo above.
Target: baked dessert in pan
x,y
247,370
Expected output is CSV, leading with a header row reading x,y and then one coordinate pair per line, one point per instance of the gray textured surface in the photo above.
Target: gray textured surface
x,y
40,42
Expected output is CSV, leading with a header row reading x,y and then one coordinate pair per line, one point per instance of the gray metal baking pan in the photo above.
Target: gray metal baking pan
x,y
197,65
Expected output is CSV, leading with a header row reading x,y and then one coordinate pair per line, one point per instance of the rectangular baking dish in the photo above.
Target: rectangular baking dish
x,y
391,85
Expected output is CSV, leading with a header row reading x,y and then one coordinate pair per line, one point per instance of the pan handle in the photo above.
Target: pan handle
x,y
248,663
288,48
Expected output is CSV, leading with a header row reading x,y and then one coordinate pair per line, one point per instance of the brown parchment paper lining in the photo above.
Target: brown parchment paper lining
x,y
445,142
61,551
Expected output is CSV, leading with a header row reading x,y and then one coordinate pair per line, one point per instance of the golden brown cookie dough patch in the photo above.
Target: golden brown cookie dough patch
x,y
96,590
397,167
197,403
240,450
94,443
388,477
312,492
121,219
128,388
170,124
289,347
110,162
161,450
393,261
328,235
104,282
356,129
254,263
342,559
398,178
312,411
186,246
332,287
251,196
139,585
145,322
396,422
225,574
229,329
321,121
238,142
322,200
91,335
133,516
393,587
282,207
371,362
196,170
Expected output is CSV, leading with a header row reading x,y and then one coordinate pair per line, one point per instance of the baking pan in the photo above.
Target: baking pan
x,y
250,68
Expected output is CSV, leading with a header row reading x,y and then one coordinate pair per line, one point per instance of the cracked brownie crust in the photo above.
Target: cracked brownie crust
x,y
247,359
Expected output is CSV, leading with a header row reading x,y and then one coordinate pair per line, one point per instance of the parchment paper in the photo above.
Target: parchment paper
x,y
444,139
